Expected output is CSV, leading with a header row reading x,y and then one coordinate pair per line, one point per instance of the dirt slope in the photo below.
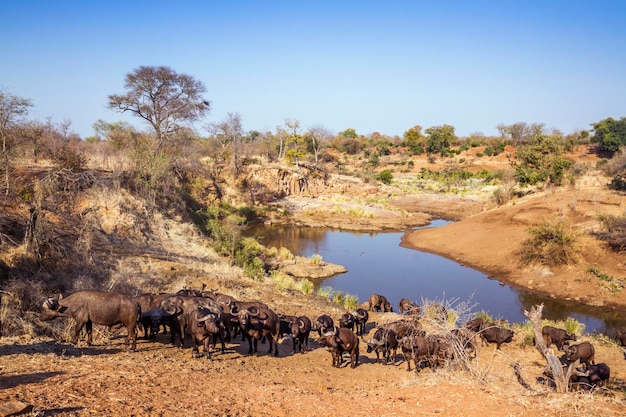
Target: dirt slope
x,y
489,242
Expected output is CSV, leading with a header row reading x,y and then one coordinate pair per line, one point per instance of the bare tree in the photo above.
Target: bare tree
x,y
163,98
12,110
33,133
318,135
229,134
560,374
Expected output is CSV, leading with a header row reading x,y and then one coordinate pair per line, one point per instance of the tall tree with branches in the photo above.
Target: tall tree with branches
x,y
166,100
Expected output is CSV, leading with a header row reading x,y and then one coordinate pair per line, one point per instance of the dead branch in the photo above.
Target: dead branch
x,y
561,375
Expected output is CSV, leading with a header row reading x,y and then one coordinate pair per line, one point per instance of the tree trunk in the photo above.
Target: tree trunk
x,y
560,375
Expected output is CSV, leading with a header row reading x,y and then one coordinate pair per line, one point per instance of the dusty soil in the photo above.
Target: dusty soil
x,y
161,380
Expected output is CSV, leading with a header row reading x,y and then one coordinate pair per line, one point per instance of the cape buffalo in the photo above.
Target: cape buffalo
x,y
497,335
347,321
189,305
417,348
203,326
557,336
360,320
379,302
584,352
323,324
383,342
339,340
256,323
300,330
592,376
409,307
99,307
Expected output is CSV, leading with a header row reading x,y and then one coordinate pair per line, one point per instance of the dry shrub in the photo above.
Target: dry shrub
x,y
615,232
17,299
553,243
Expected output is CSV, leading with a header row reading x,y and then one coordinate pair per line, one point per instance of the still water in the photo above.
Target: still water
x,y
377,263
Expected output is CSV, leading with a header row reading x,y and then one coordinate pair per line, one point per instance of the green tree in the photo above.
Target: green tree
x,y
13,109
349,134
415,139
541,160
610,133
440,138
295,145
118,134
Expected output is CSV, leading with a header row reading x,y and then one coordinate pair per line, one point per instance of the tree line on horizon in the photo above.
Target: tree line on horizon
x,y
169,103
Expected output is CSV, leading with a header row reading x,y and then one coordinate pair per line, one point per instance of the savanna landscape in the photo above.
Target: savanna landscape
x,y
162,210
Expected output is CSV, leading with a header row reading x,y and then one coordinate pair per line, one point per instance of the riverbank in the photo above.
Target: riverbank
x,y
488,238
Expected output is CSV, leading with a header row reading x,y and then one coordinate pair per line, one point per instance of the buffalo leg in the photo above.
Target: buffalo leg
x,y
77,329
215,336
354,359
132,336
89,327
207,349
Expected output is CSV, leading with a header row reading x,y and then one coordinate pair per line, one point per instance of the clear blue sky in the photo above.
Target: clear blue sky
x,y
375,66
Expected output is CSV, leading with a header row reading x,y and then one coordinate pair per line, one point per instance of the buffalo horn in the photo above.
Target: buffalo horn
x,y
50,303
253,311
208,316
301,323
330,332
177,311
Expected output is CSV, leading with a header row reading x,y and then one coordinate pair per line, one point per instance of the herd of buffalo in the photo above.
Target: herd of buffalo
x,y
210,317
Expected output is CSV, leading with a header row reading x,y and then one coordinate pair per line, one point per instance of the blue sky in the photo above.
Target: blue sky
x,y
375,66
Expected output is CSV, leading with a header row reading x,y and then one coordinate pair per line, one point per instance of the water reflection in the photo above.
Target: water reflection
x,y
377,263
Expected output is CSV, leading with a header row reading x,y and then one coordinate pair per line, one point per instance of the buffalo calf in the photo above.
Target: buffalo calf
x,y
583,352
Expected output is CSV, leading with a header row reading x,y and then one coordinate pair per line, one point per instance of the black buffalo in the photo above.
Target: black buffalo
x,y
497,335
323,324
339,340
99,307
383,342
361,316
347,321
300,330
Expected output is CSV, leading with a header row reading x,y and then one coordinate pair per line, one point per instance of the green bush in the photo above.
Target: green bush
x,y
385,176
